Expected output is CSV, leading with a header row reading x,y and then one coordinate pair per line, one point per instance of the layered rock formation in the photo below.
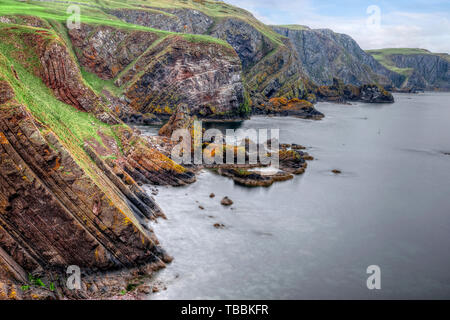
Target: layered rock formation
x,y
157,74
270,65
419,69
204,76
326,55
69,196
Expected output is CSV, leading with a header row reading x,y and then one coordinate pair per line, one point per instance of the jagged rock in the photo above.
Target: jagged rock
x,y
181,119
375,94
61,74
246,178
204,76
325,55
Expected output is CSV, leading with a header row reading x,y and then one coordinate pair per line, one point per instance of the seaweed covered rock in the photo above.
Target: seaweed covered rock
x,y
341,93
294,107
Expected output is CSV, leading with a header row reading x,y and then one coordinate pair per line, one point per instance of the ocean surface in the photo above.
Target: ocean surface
x,y
314,236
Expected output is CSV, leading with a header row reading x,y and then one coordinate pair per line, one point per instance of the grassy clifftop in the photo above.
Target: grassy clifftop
x,y
383,57
92,12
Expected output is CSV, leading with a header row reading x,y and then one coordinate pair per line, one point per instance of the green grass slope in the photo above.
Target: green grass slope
x,y
383,57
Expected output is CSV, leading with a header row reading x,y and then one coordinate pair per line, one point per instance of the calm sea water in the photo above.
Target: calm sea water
x,y
314,237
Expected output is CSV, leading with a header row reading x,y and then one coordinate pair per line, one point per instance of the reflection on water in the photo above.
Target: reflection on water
x,y
314,236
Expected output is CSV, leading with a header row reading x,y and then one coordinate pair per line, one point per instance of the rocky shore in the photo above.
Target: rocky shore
x,y
71,169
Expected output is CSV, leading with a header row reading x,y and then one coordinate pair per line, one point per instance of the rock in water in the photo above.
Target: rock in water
x,y
226,201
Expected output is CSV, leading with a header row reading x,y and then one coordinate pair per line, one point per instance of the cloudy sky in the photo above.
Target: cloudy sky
x,y
373,24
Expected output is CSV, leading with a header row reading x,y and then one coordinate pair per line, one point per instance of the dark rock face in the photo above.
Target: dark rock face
x,y
204,76
429,71
374,94
53,214
249,43
325,54
106,51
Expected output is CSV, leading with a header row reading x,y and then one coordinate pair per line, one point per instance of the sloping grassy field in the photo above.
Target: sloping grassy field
x,y
91,13
383,57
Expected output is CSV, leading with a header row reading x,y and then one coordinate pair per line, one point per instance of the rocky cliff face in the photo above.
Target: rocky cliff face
x,y
429,71
69,174
271,66
276,61
419,69
106,51
157,74
204,76
326,55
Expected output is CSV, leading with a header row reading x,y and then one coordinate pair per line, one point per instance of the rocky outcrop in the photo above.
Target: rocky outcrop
x,y
325,55
159,75
342,93
203,75
54,215
292,162
6,92
293,107
181,119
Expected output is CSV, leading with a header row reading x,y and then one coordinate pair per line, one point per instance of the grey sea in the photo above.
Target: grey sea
x,y
314,236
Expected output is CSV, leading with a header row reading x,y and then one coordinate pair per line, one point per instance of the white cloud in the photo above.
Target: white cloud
x,y
397,29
